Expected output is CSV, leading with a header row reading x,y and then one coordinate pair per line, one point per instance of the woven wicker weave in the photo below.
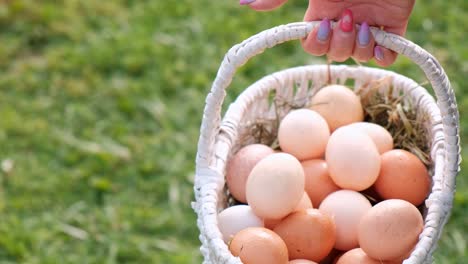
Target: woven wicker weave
x,y
218,140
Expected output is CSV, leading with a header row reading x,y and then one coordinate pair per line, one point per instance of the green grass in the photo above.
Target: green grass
x,y
100,107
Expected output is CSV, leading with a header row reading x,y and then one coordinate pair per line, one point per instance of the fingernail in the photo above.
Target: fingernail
x,y
378,53
324,30
346,22
364,34
246,2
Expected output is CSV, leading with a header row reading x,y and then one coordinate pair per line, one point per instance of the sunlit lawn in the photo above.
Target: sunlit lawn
x,y
100,107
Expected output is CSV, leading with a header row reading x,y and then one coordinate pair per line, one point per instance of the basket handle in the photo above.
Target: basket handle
x,y
239,54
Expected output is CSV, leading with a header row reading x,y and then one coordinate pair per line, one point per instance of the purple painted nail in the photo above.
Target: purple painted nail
x,y
378,53
364,34
324,30
246,2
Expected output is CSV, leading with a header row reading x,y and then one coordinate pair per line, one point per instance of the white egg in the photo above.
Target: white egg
x,y
235,218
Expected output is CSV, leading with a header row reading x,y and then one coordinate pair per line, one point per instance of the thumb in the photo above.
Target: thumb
x,y
263,5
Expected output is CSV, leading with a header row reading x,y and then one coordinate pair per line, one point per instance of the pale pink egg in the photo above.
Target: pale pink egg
x,y
240,165
381,137
303,204
352,158
304,134
302,261
338,105
275,186
346,208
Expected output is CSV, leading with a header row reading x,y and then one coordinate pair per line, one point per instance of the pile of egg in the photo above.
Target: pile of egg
x,y
308,202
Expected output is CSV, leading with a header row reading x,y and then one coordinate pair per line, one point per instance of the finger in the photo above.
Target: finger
x,y
389,56
343,38
384,57
364,47
263,5
318,41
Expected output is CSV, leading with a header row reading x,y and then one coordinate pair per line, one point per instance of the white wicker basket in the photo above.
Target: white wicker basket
x,y
218,140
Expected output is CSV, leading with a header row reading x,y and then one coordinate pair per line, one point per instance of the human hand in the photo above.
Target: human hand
x,y
345,39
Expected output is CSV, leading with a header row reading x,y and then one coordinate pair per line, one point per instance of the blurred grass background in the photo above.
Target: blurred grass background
x,y
100,107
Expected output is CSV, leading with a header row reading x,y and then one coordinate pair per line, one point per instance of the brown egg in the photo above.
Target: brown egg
x,y
390,229
275,186
240,165
303,204
318,183
358,256
304,134
352,158
338,105
402,258
347,208
403,176
256,245
272,223
308,234
302,261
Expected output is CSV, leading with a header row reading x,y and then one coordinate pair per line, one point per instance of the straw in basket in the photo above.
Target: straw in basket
x,y
221,138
